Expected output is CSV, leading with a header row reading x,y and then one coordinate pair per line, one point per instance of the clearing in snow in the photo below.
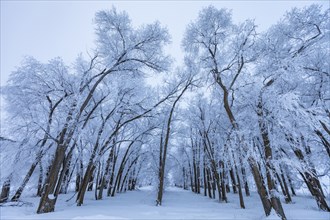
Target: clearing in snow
x,y
177,204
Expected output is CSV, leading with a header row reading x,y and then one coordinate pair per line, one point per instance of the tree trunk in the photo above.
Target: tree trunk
x,y
222,179
311,180
270,171
240,193
262,191
233,180
26,179
47,201
209,187
40,179
5,190
288,196
104,179
205,181
84,184
291,186
79,175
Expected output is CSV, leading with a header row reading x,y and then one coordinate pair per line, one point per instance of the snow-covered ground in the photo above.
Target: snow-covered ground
x,y
177,204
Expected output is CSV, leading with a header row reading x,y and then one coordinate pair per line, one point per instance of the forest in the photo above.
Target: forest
x,y
245,112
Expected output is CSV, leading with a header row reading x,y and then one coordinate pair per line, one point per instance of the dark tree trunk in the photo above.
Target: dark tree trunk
x,y
40,179
47,201
288,196
291,186
104,179
205,181
324,141
209,187
246,185
5,190
112,176
233,180
222,179
79,175
66,174
84,184
262,191
240,193
214,187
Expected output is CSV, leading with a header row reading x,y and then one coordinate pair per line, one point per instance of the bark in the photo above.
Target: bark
x,y
240,193
40,179
222,179
233,180
84,184
5,190
205,181
112,177
97,180
66,174
104,178
209,186
324,141
47,202
79,175
262,191
287,196
246,185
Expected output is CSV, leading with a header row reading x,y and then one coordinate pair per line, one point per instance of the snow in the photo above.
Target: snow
x,y
51,196
177,204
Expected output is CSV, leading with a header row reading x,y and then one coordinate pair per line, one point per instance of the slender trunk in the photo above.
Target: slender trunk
x,y
160,173
128,172
213,186
191,177
291,185
222,181
40,179
324,141
288,196
66,174
26,179
209,187
97,181
166,142
233,180
79,175
198,180
112,177
104,179
240,193
246,185
205,181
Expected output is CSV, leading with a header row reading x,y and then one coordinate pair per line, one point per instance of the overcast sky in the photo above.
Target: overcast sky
x,y
46,29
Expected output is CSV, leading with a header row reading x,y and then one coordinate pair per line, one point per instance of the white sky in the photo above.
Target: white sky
x,y
46,29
